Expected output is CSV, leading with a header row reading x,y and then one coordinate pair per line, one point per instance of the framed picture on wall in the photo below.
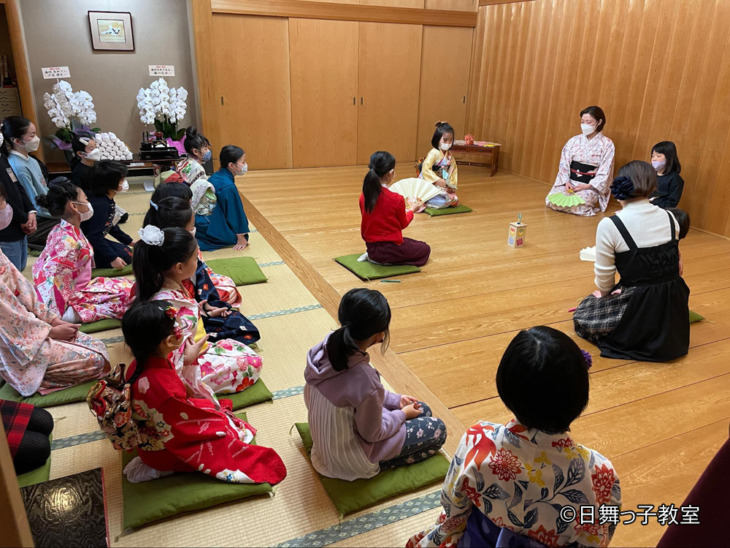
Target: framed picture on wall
x,y
111,30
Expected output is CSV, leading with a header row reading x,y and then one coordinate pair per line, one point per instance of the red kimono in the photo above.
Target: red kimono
x,y
185,434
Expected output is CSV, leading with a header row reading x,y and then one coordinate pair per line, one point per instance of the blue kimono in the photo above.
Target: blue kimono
x,y
220,228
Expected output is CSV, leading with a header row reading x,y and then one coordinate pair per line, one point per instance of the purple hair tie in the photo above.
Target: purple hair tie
x,y
154,205
587,358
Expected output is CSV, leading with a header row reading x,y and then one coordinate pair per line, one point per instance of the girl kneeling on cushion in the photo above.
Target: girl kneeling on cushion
x,y
358,427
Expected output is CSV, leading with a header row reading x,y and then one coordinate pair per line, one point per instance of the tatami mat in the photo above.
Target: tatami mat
x,y
291,321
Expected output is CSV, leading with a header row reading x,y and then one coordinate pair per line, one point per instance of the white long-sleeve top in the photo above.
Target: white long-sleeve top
x,y
648,226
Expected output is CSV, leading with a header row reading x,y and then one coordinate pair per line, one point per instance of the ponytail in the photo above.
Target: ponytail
x,y
381,162
169,212
362,313
151,262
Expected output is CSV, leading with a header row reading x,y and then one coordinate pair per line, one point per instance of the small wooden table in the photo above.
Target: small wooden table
x,y
485,148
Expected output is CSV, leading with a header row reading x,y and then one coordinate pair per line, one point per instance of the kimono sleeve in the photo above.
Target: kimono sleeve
x,y
207,441
604,175
427,173
230,202
564,167
26,181
458,495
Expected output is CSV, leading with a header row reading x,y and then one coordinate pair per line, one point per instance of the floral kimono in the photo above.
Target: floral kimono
x,y
440,165
184,434
30,360
62,275
193,174
225,366
510,482
597,152
227,290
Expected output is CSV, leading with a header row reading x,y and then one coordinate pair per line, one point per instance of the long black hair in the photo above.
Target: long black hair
x,y
13,127
381,162
442,128
362,313
669,149
543,379
194,140
59,194
145,325
169,212
151,262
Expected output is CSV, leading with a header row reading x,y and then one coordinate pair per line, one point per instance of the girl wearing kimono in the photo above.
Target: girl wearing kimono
x,y
176,432
39,352
227,224
586,166
439,167
192,172
518,484
224,285
62,273
176,212
163,260
645,317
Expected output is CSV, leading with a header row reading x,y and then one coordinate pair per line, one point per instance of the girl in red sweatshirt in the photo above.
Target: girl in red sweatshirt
x,y
384,216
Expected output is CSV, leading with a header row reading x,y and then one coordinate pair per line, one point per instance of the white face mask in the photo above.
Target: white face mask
x,y
125,186
193,231
88,214
94,155
587,129
6,215
2,138
33,144
244,169
445,146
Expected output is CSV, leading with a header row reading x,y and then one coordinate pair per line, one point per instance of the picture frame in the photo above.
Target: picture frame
x,y
111,30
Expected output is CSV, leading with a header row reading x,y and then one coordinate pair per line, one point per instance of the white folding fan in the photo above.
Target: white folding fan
x,y
415,190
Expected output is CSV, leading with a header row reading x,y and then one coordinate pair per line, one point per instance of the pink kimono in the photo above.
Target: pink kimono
x,y
62,275
30,360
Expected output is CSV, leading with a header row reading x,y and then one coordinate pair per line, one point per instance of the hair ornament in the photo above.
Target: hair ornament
x,y
154,206
440,122
587,358
151,235
622,188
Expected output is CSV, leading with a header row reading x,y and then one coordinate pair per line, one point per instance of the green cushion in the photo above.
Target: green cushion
x,y
242,270
368,271
59,397
448,210
101,325
111,272
351,496
39,475
172,495
695,317
252,395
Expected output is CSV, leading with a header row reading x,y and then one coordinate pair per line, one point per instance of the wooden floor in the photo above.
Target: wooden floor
x,y
660,424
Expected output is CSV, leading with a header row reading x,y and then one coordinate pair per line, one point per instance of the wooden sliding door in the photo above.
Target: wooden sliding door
x,y
324,94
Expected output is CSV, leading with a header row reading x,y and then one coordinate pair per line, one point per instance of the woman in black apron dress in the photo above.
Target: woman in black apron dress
x,y
646,316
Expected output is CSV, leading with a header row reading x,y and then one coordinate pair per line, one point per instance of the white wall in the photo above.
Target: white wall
x,y
57,33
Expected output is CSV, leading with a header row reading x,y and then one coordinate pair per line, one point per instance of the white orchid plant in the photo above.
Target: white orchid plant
x,y
72,112
164,107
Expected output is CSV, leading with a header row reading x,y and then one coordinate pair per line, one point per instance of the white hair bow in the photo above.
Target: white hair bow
x,y
151,235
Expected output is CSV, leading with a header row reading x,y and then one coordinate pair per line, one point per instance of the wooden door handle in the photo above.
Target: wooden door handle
x,y
361,100
354,101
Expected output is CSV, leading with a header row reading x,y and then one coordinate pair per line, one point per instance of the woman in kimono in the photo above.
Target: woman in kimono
x,y
176,432
646,316
62,273
176,212
192,172
224,285
39,352
439,167
586,166
163,260
227,224
107,179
